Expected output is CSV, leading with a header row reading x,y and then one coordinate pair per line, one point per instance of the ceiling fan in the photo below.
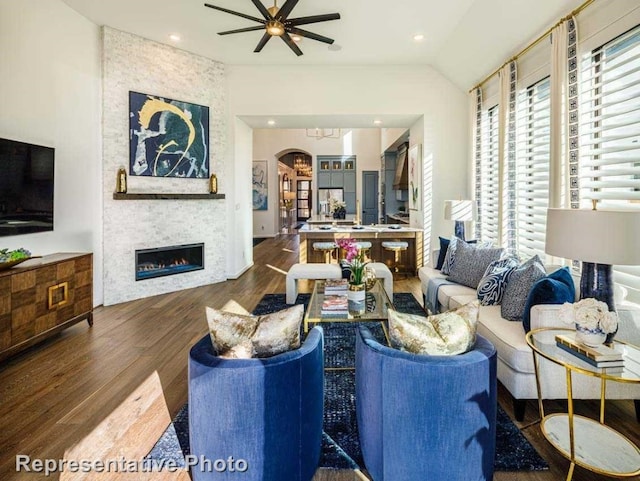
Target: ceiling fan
x,y
277,24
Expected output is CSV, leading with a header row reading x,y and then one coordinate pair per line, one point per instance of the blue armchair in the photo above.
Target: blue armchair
x,y
265,413
426,417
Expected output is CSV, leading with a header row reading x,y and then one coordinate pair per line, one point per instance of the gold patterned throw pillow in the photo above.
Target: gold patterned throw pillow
x,y
244,350
239,336
446,334
228,329
278,332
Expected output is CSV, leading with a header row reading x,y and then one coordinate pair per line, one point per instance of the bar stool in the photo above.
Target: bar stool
x,y
397,247
365,248
327,248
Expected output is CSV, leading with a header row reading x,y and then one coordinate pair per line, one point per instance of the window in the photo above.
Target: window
x,y
532,168
489,178
610,133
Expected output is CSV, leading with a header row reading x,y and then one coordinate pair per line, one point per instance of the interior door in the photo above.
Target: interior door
x,y
303,200
369,197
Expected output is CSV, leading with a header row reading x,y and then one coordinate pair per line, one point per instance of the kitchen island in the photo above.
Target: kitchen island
x,y
412,258
328,219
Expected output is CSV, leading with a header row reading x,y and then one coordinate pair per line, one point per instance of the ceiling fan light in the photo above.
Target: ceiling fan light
x,y
275,28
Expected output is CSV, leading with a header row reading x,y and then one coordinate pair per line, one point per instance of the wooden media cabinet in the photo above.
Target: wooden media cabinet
x,y
42,297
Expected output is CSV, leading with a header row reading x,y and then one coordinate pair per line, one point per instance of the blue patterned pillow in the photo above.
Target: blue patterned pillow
x,y
492,286
494,281
520,283
450,256
471,263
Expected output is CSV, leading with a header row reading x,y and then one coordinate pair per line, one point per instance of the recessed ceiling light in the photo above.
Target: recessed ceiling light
x,y
174,37
418,37
271,122
377,122
296,38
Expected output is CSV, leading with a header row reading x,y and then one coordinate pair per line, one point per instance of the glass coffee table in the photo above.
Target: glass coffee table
x,y
583,441
377,304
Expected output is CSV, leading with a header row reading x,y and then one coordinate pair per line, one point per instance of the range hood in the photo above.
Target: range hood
x,y
401,180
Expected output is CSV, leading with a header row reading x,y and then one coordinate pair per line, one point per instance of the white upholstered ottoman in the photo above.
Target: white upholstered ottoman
x,y
309,271
331,271
383,272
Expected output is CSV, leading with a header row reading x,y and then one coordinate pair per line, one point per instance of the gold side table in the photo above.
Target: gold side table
x,y
586,442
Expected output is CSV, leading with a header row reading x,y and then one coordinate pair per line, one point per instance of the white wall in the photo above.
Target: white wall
x,y
374,90
267,143
50,95
239,248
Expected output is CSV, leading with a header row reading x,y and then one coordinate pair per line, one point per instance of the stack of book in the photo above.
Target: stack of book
x,y
335,305
336,286
601,356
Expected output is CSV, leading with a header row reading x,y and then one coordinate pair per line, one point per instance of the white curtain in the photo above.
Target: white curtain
x,y
563,182
506,153
557,195
475,108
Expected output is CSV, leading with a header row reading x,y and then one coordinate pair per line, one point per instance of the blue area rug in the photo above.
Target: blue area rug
x,y
340,444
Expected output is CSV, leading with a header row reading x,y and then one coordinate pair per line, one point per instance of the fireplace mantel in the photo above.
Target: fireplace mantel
x,y
164,196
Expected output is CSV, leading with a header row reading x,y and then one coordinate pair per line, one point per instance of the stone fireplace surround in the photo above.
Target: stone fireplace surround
x,y
147,224
135,63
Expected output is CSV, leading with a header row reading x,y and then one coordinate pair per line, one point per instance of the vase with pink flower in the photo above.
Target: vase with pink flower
x,y
354,261
592,319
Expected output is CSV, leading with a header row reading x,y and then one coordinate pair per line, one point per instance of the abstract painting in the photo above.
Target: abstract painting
x,y
415,178
167,138
259,176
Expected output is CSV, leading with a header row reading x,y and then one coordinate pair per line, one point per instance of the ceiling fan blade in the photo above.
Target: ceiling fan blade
x,y
311,35
292,45
263,10
313,19
263,41
284,12
248,17
240,30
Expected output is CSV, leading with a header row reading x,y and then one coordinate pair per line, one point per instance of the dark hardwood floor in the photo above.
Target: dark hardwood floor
x,y
57,393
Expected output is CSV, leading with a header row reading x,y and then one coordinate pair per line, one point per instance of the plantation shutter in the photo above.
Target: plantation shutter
x,y
489,177
610,133
532,168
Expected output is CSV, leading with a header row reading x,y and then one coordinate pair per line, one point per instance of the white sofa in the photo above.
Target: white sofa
x,y
515,359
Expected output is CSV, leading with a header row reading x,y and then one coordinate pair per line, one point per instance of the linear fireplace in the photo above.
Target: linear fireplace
x,y
167,261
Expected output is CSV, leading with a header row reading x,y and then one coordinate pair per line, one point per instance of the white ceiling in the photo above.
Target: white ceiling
x,y
463,39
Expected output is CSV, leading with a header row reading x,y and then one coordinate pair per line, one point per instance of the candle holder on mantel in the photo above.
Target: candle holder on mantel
x,y
121,181
213,184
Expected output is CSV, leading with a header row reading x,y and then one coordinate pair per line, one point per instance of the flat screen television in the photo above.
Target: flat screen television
x,y
26,188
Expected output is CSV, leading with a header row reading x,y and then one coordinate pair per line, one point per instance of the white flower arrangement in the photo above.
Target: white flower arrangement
x,y
590,314
336,205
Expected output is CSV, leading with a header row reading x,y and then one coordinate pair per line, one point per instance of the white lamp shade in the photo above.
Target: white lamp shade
x,y
462,210
598,236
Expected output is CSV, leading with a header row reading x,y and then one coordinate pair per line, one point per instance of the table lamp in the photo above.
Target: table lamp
x,y
460,211
598,238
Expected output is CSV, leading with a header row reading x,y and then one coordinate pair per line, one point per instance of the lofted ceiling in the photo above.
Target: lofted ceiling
x,y
463,39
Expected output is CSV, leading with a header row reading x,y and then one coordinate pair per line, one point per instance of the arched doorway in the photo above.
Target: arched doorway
x,y
295,174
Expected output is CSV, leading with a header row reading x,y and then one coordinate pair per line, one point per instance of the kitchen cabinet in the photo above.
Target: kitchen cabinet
x,y
339,172
324,180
